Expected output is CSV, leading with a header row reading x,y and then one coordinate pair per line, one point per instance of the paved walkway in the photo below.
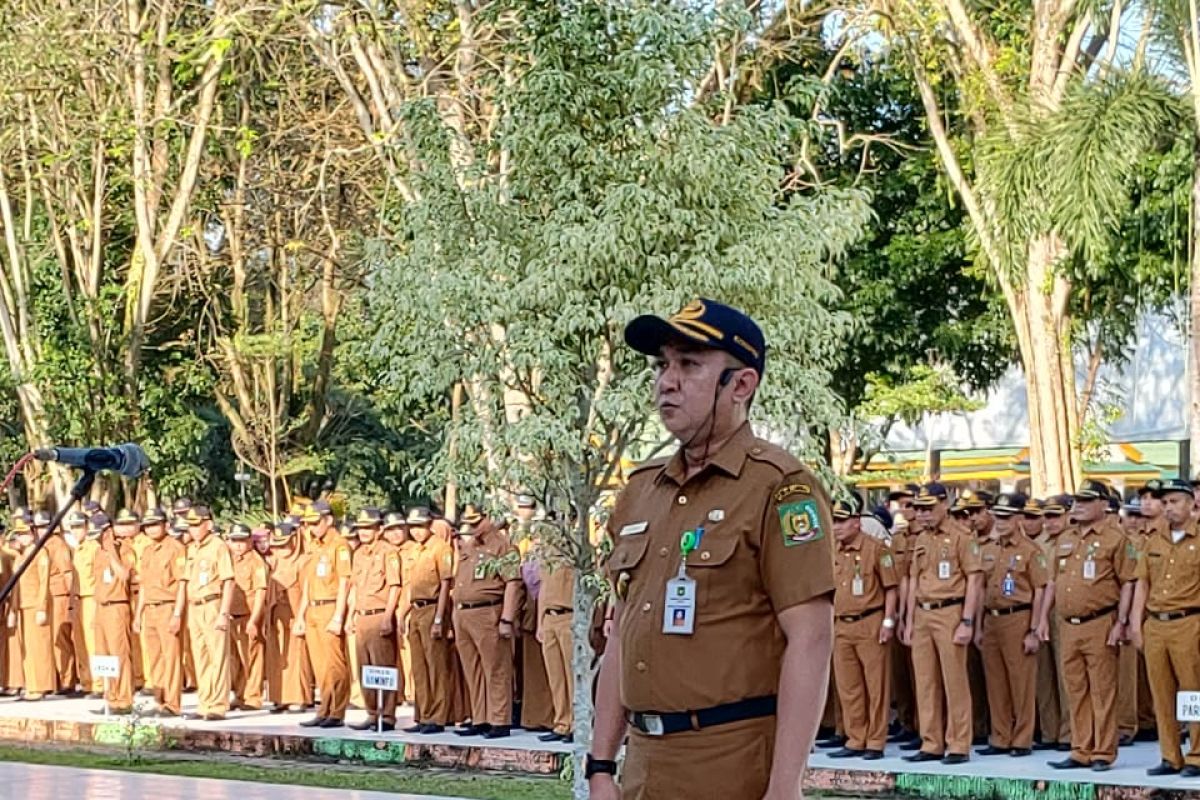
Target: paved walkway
x,y
30,782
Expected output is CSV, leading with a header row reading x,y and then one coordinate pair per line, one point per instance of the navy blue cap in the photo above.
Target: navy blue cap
x,y
847,507
1092,490
931,494
1175,485
706,323
907,490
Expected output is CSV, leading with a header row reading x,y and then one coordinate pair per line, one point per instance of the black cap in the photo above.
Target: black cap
x,y
930,494
1175,485
198,514
907,490
238,532
1133,508
417,516
154,515
368,518
1034,507
846,508
972,499
704,322
1091,490
1009,504
181,506
1058,505
1152,487
471,515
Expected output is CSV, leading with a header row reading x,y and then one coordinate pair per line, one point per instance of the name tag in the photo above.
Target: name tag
x,y
634,528
202,579
1089,570
480,572
856,587
679,611
108,576
944,570
322,568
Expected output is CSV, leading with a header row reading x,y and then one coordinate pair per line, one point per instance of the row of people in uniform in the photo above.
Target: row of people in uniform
x,y
1007,616
470,617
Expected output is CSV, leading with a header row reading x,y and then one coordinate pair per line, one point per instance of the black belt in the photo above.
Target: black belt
x,y
423,603
480,604
116,603
934,605
158,602
664,724
1004,612
1168,616
1089,617
206,600
321,602
239,616
558,612
857,617
371,612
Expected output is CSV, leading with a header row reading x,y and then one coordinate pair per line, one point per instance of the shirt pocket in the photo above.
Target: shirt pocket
x,y
716,578
628,554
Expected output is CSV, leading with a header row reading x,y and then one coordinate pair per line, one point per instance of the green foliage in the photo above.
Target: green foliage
x,y
924,390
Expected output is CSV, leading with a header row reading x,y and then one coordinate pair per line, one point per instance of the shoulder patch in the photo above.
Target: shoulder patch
x,y
800,522
791,488
886,559
180,561
344,553
1131,551
776,456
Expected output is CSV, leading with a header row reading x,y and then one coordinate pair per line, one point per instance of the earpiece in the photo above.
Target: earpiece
x,y
726,376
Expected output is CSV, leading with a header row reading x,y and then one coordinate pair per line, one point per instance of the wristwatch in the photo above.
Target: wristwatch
x,y
968,621
594,766
888,622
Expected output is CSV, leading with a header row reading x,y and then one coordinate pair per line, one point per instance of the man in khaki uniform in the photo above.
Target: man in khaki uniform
x,y
1093,590
423,614
112,572
127,526
1167,599
556,614
62,581
35,612
536,700
374,595
395,532
246,620
83,629
486,587
972,509
1006,632
1032,519
945,589
728,539
1150,507
864,619
904,691
289,671
13,667
159,615
325,582
209,579
1054,710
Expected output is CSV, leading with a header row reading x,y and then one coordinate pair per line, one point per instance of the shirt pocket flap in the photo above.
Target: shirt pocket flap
x,y
628,553
713,551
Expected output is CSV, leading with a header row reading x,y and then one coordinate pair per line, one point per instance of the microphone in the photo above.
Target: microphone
x,y
127,459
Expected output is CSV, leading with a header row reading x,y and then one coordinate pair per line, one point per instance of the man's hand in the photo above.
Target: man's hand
x,y
386,627
348,628
963,634
506,630
174,625
12,619
298,628
1116,634
608,628
251,631
136,625
42,618
436,630
906,634
222,622
1043,631
603,787
334,628
1032,643
978,638
539,635
885,634
1134,637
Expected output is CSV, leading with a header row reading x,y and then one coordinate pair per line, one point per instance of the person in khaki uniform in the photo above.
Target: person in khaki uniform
x,y
396,534
1053,709
972,510
1007,630
731,708
1167,600
375,585
945,590
556,615
424,610
1093,589
350,535
486,587
127,526
11,672
904,689
864,621
34,615
209,578
325,585
289,671
83,603
159,614
113,571
179,532
536,701
1150,509
62,581
246,621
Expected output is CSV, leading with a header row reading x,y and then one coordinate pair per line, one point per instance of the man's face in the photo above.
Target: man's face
x,y
1152,507
239,547
686,384
846,529
1179,506
1031,525
1089,510
931,516
199,530
982,521
1054,523
156,531
1004,526
904,507
125,530
421,533
367,535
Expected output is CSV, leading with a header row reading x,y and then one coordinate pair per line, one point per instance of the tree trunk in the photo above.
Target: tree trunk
x,y
1194,299
582,661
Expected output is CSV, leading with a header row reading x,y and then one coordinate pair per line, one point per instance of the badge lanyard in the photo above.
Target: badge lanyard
x,y
679,608
856,586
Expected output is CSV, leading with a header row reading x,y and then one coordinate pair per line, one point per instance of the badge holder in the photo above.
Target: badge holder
x,y
679,608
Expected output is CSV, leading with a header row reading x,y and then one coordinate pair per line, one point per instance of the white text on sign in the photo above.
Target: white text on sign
x,y
106,666
1187,706
386,678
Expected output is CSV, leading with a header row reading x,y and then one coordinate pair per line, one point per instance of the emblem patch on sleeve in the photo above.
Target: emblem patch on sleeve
x,y
886,559
800,522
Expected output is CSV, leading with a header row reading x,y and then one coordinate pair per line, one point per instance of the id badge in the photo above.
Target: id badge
x,y
1089,570
201,579
856,587
944,570
322,568
679,611
108,576
480,572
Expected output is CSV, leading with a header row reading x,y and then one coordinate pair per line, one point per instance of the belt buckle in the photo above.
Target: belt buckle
x,y
652,724
927,606
995,612
1075,620
1164,616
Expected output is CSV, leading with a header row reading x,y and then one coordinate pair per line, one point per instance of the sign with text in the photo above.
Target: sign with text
x,y
106,666
1187,706
385,678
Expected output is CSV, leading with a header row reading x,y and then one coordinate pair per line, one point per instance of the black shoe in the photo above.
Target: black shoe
x,y
1101,766
1063,747
1039,746
568,739
831,742
315,722
363,726
979,741
194,717
825,732
921,756
1125,741
1164,768
994,751
1146,735
1189,772
431,728
912,744
498,732
121,712
331,722
894,727
471,730
1068,763
899,736
277,709
846,752
1020,752
298,709
955,758
418,728
872,755
386,727
550,737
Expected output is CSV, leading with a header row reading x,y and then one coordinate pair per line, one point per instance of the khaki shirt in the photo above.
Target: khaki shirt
x,y
871,562
766,548
902,544
32,581
1171,571
327,563
558,588
408,556
162,566
1114,557
376,569
432,563
1020,557
949,542
249,576
62,567
209,565
109,587
479,578
284,575
84,558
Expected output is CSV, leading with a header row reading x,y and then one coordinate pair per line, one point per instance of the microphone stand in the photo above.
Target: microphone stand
x,y
78,492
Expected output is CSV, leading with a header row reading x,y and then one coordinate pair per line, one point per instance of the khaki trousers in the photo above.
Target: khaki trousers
x,y
113,636
37,654
719,763
83,637
64,641
860,662
432,667
1127,691
537,701
1011,679
558,652
943,690
1173,665
210,649
140,671
1053,709
904,686
1089,669
165,652
377,649
328,656
245,664
487,662
14,654
289,672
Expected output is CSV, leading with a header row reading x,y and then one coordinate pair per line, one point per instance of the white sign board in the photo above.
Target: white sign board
x,y
106,666
385,678
1187,706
